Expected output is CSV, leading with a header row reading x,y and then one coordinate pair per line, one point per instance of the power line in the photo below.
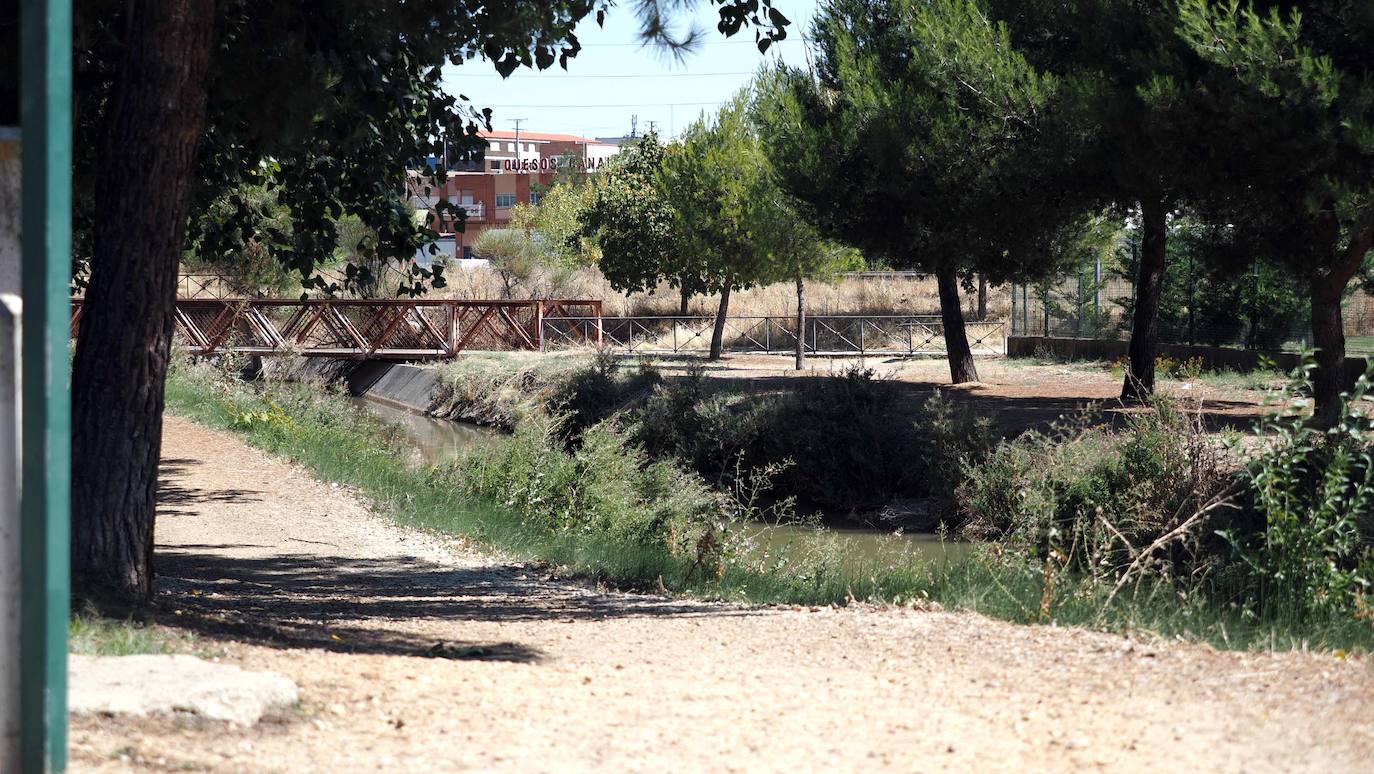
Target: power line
x,y
479,103
649,44
561,76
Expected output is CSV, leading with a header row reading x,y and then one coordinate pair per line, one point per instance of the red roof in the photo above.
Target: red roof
x,y
502,134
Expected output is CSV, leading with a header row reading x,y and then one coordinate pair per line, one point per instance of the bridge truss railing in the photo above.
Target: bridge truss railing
x,y
823,334
399,329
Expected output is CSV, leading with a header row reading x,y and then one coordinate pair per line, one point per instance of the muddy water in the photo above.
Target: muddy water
x,y
861,543
439,441
436,441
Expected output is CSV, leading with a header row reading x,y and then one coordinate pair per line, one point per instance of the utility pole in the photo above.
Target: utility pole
x,y
634,125
652,125
517,122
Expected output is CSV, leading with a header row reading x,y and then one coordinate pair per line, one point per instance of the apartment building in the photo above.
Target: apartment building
x,y
514,167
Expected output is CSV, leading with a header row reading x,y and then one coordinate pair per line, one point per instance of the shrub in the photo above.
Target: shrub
x,y
954,439
1093,498
1313,492
840,441
606,486
594,392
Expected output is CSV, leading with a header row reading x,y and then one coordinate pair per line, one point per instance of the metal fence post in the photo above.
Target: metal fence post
x,y
1013,308
45,483
1025,310
1097,290
1078,311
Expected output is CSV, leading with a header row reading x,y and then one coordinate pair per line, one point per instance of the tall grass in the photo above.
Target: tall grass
x,y
898,295
341,443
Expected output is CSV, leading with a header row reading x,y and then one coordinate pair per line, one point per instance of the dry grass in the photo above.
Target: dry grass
x,y
851,295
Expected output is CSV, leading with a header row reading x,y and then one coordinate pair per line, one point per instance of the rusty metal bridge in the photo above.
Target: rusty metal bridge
x,y
389,329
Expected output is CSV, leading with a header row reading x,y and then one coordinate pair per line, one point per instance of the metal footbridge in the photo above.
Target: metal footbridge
x,y
384,329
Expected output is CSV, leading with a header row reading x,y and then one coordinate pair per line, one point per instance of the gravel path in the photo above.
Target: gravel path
x,y
416,653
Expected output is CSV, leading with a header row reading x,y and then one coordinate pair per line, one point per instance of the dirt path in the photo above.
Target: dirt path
x,y
416,655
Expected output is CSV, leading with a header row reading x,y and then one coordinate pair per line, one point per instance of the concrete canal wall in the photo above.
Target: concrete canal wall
x,y
396,384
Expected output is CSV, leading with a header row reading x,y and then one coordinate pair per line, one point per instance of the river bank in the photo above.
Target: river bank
x,y
342,444
414,651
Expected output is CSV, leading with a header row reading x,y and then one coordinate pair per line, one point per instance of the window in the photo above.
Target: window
x,y
495,165
505,200
535,197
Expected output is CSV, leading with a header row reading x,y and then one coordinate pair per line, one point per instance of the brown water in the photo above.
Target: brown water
x,y
862,543
439,441
436,441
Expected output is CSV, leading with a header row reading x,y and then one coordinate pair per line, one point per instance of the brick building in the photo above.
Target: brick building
x,y
515,165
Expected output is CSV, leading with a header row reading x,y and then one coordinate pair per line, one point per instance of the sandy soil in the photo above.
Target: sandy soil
x,y
415,653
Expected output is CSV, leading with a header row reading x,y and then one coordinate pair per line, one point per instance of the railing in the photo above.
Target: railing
x,y
473,209
824,334
207,286
363,328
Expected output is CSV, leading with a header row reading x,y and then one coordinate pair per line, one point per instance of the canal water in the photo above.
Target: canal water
x,y
439,441
436,441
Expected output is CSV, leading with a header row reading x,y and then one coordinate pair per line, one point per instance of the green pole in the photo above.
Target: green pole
x,y
46,95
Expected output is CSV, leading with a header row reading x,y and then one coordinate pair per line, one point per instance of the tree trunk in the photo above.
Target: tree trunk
x,y
982,297
801,323
1139,382
685,296
1328,332
961,367
1328,336
153,125
718,333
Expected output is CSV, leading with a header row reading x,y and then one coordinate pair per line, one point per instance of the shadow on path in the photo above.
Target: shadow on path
x,y
172,496
356,605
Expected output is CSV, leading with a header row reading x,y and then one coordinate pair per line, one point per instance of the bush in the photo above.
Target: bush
x,y
606,486
593,393
1313,493
836,443
1092,498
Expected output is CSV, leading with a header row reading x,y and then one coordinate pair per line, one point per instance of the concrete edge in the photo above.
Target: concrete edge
x,y
403,386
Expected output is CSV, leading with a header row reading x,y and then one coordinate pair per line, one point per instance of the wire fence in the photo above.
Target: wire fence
x,y
1260,310
894,335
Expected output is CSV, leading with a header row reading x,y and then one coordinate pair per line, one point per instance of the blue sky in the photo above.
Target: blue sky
x,y
613,77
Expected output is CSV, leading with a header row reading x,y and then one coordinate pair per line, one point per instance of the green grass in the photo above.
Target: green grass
x,y
93,634
340,443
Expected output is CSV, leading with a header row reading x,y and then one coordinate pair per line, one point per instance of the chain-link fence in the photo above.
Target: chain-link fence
x,y
1262,309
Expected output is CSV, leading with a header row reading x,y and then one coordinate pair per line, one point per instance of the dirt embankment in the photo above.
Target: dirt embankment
x,y
417,653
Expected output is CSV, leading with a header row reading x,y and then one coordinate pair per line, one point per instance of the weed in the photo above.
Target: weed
x,y
1312,488
94,634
